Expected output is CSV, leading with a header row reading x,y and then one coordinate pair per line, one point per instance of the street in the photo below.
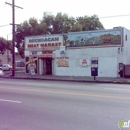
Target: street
x,y
53,105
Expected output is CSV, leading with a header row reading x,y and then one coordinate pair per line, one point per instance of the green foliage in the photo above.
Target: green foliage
x,y
50,24
77,27
4,45
28,28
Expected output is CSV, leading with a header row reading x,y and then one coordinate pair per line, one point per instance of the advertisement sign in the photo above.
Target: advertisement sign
x,y
93,38
45,41
62,63
94,66
84,62
31,62
94,62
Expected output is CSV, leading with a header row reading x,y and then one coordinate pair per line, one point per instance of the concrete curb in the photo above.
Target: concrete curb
x,y
70,80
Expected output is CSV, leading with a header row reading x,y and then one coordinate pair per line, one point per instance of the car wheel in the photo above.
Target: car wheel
x,y
9,69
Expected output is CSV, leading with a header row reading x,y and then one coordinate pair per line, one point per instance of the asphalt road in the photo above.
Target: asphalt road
x,y
52,105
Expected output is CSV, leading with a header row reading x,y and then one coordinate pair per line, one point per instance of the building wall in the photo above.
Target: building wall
x,y
126,47
108,58
107,62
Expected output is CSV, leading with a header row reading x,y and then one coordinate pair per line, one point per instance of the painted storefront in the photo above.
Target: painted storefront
x,y
39,52
72,56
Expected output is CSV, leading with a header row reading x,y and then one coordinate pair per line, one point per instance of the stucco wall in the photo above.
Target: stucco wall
x,y
126,47
107,62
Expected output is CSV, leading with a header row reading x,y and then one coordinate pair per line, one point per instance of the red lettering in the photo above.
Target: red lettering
x,y
59,44
49,44
30,45
56,44
37,45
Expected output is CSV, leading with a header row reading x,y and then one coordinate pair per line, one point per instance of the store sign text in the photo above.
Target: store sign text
x,y
44,39
44,45
47,52
62,57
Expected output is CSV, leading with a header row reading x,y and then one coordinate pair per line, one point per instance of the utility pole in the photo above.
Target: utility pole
x,y
13,32
13,40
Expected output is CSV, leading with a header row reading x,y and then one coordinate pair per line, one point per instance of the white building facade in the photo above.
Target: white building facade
x,y
72,54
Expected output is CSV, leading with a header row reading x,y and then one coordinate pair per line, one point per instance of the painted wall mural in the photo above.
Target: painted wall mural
x,y
111,37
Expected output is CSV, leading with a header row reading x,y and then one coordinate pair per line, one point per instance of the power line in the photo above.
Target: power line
x,y
4,25
13,5
115,16
82,18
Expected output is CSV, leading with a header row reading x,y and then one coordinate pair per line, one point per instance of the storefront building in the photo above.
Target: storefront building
x,y
107,51
39,52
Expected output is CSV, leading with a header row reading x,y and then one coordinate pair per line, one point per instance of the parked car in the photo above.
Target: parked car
x,y
6,67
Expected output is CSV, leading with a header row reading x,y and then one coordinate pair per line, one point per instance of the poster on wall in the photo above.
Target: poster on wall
x,y
84,62
31,62
89,38
62,63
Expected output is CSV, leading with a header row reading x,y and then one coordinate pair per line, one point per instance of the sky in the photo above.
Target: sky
x,y
75,8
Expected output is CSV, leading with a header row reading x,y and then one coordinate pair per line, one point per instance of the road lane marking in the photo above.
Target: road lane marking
x,y
12,101
68,93
117,89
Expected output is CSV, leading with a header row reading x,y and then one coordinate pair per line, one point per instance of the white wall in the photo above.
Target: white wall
x,y
107,62
126,47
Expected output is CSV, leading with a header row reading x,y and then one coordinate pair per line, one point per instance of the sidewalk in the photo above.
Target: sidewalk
x,y
23,75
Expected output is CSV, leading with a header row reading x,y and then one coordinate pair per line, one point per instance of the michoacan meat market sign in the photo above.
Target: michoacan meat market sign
x,y
43,41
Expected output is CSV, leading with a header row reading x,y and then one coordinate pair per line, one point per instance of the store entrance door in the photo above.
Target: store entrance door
x,y
48,66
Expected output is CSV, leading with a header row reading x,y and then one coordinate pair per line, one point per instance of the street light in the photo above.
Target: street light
x,y
7,49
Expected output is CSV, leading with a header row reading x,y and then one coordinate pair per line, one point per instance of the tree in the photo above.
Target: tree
x,y
90,23
77,27
28,28
3,45
61,23
50,24
9,45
